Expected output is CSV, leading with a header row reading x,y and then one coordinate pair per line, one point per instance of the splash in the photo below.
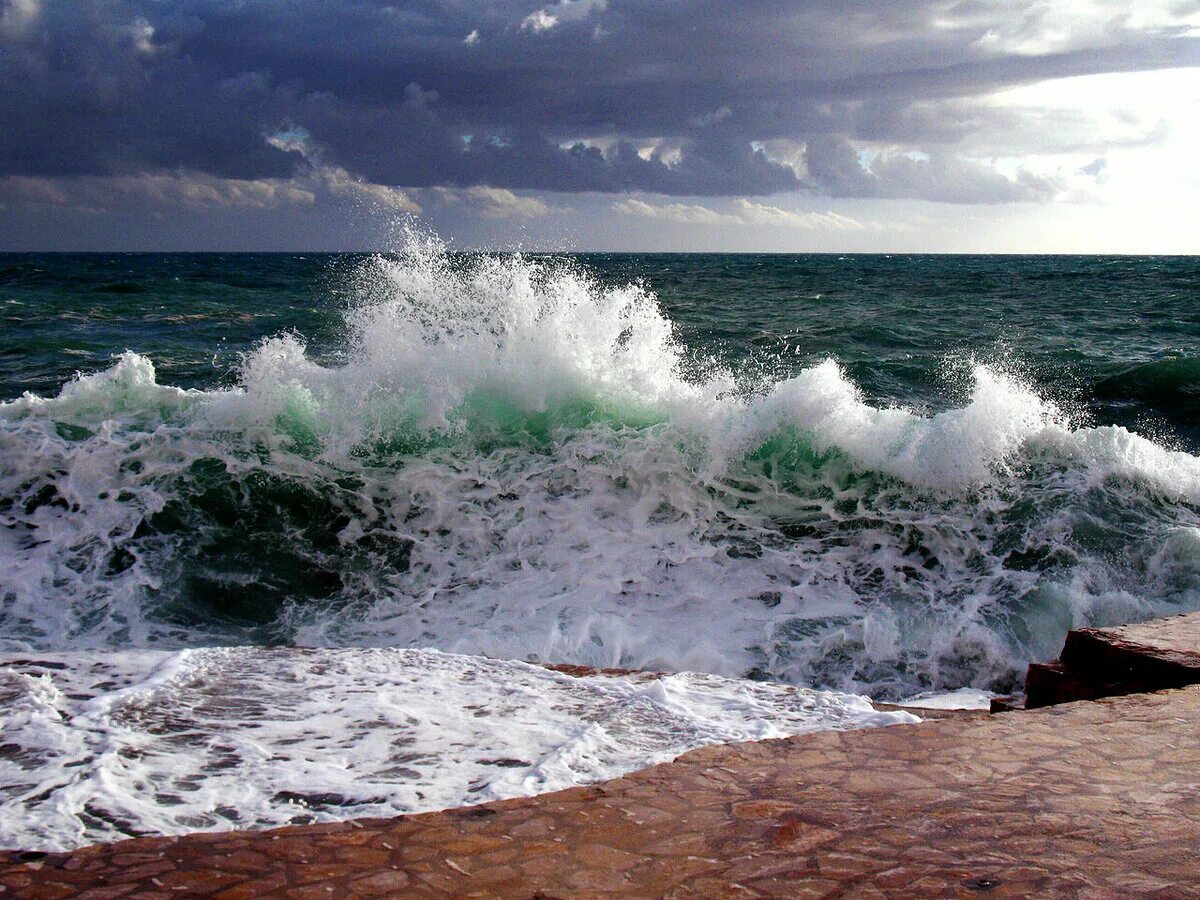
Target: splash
x,y
517,460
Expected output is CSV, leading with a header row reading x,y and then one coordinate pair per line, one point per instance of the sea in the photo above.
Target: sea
x,y
294,537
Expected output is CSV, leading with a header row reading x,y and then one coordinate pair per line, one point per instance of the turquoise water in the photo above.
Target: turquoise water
x,y
888,474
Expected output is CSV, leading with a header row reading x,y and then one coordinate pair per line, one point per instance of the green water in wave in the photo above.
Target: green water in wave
x,y
554,512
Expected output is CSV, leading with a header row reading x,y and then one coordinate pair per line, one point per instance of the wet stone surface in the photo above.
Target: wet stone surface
x,y
1091,799
1175,634
1125,659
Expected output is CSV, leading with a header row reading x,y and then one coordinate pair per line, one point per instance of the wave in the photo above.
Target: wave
x,y
516,460
1171,386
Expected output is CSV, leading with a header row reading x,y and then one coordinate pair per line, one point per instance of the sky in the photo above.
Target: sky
x,y
695,125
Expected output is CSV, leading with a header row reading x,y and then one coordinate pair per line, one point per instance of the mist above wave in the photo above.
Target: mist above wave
x,y
517,460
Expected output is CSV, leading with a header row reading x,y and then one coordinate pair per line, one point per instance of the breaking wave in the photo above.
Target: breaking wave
x,y
515,460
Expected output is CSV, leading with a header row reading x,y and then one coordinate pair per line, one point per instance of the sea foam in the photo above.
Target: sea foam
x,y
514,459
103,746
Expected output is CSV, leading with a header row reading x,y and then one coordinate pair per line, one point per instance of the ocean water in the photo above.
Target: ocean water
x,y
803,477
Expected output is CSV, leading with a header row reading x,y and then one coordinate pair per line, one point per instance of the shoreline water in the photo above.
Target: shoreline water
x,y
1083,796
626,707
105,745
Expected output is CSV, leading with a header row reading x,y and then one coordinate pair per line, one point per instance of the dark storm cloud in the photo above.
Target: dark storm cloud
x,y
581,95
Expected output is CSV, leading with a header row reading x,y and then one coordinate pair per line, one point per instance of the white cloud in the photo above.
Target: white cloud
x,y
341,183
1147,193
472,39
201,191
191,189
19,17
295,140
539,21
497,203
24,189
563,11
681,213
1066,25
761,214
337,181
142,34
747,213
711,118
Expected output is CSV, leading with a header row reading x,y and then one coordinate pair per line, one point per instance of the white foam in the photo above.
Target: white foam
x,y
576,487
963,698
957,448
100,746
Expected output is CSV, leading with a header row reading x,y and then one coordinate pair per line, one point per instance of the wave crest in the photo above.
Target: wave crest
x,y
517,460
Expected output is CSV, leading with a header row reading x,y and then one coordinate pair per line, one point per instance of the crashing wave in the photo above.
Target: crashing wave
x,y
517,460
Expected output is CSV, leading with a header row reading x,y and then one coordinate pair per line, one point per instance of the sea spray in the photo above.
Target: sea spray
x,y
514,457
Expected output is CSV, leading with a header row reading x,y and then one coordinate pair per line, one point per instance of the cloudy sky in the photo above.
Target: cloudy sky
x,y
832,125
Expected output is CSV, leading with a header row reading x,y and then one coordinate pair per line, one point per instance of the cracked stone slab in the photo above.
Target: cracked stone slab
x,y
1100,662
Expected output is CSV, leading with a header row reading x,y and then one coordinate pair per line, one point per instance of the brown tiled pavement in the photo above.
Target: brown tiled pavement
x,y
1090,799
